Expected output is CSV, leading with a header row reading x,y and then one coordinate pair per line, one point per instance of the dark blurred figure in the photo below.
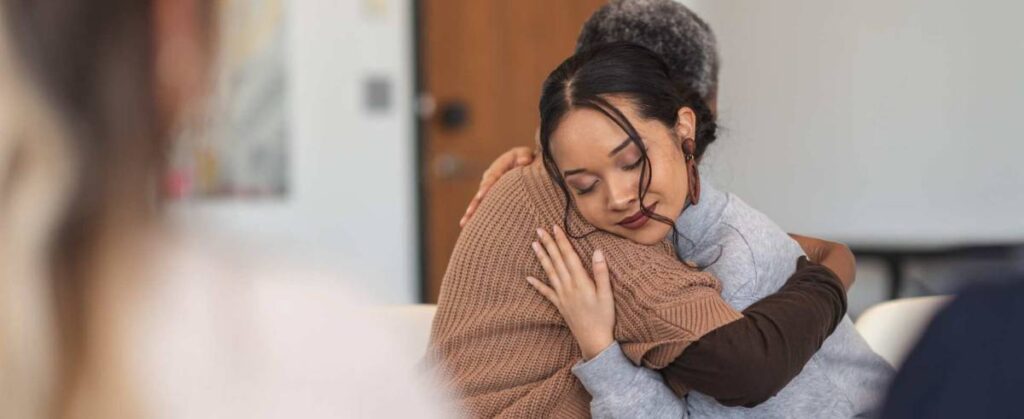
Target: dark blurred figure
x,y
969,362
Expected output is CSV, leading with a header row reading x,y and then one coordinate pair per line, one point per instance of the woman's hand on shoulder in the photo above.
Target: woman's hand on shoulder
x,y
833,255
586,304
516,157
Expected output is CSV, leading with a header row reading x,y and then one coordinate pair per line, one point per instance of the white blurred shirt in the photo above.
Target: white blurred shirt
x,y
222,334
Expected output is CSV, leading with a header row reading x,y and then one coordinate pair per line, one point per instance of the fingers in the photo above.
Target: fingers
x,y
811,246
556,256
601,277
549,268
523,156
572,259
544,290
474,204
470,210
490,177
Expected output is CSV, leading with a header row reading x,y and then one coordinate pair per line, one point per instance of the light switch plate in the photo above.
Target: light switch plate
x,y
377,92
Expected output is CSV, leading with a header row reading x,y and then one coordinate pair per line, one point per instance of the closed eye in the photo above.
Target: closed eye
x,y
586,190
635,165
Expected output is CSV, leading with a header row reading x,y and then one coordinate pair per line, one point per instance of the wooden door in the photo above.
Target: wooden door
x,y
482,63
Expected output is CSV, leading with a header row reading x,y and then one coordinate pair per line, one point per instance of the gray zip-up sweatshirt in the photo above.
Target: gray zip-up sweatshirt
x,y
752,257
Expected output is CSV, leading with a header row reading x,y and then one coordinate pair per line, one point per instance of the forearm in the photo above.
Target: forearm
x,y
749,360
621,389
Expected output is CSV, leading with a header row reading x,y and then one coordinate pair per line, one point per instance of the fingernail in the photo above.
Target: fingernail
x,y
530,279
540,232
598,256
536,246
556,229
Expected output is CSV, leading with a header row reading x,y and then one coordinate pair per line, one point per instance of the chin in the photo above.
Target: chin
x,y
651,240
649,236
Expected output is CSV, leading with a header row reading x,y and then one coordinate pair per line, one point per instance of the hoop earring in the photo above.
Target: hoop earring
x,y
689,149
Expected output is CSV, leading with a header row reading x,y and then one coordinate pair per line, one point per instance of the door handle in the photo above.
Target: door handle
x,y
454,115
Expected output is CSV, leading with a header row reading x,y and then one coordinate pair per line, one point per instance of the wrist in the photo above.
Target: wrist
x,y
594,346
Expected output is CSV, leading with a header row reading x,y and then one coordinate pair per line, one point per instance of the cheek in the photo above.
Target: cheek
x,y
670,182
592,210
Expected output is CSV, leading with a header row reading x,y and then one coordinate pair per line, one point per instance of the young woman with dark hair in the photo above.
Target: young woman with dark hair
x,y
620,144
622,140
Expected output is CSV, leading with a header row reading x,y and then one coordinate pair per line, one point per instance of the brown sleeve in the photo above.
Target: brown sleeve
x,y
750,360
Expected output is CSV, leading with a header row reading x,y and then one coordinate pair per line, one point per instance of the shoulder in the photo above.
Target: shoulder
x,y
523,194
507,206
767,242
255,325
511,191
988,305
755,254
966,361
981,320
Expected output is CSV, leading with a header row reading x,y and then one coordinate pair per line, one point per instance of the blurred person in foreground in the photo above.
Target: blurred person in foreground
x,y
108,311
968,362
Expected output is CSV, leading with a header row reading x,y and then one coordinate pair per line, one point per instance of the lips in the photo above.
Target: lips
x,y
637,220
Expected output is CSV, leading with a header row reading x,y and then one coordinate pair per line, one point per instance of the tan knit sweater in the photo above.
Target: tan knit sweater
x,y
505,350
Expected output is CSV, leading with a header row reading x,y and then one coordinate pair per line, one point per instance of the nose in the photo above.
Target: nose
x,y
623,192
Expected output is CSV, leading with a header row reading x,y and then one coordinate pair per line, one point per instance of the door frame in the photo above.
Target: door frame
x,y
419,140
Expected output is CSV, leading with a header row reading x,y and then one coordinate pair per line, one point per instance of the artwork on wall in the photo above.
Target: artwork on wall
x,y
239,146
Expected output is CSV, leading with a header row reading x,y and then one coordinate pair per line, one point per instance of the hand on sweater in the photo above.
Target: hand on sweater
x,y
833,255
516,157
585,303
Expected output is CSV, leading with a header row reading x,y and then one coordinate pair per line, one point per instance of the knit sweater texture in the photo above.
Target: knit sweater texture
x,y
505,350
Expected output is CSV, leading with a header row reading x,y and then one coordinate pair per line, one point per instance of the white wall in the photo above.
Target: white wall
x,y
873,121
891,122
352,198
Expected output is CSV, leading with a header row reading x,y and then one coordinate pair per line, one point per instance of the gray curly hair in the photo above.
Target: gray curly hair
x,y
666,27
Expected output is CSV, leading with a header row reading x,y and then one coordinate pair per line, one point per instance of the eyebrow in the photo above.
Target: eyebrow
x,y
614,151
620,147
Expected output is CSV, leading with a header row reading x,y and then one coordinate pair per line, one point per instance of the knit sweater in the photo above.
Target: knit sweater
x,y
506,351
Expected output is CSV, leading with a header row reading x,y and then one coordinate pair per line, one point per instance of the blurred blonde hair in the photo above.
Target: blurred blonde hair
x,y
35,177
83,148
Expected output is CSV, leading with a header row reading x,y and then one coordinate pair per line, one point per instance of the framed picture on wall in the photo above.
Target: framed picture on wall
x,y
237,145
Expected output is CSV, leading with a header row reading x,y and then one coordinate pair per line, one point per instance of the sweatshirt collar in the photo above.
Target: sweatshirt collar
x,y
696,220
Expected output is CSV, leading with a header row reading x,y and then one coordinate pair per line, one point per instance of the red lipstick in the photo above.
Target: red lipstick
x,y
639,219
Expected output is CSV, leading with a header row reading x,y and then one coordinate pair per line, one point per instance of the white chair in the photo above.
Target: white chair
x,y
411,322
893,328
890,328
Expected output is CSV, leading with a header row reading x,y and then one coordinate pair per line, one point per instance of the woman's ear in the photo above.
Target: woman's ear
x,y
686,123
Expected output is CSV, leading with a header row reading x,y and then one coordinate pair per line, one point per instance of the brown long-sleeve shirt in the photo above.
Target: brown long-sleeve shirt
x,y
750,360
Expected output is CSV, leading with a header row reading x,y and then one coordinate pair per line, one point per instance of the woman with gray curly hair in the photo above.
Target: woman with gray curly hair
x,y
733,241
682,39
